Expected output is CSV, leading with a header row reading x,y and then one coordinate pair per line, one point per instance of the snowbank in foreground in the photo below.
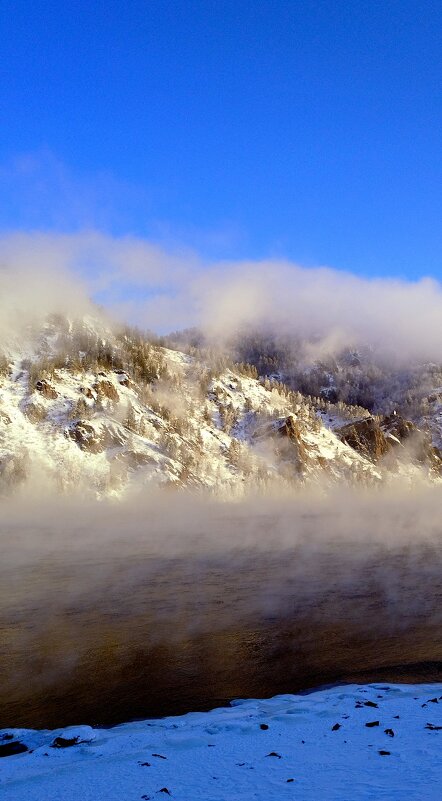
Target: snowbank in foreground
x,y
377,741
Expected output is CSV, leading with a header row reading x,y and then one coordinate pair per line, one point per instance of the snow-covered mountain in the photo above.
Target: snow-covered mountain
x,y
84,407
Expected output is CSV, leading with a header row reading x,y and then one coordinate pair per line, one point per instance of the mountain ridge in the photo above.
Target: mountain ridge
x,y
111,410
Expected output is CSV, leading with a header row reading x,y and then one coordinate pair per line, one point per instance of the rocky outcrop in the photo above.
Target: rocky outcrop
x,y
417,441
292,447
46,389
374,438
88,393
86,437
394,425
366,437
35,412
290,430
105,389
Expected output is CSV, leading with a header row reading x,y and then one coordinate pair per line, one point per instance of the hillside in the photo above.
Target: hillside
x,y
85,407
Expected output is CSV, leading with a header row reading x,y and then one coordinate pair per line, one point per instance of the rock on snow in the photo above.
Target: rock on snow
x,y
309,747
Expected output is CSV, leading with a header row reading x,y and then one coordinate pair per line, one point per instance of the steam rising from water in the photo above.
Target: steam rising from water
x,y
165,601
171,602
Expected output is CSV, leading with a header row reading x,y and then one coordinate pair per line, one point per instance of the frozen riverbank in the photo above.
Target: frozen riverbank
x,y
353,742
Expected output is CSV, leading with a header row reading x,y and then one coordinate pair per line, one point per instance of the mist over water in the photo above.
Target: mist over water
x,y
171,602
164,602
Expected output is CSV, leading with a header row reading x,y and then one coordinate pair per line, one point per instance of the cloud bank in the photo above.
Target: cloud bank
x,y
144,284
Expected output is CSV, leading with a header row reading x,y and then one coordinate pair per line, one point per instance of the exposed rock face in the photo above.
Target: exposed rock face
x,y
397,426
88,393
290,429
35,412
292,448
106,389
374,439
46,389
366,437
417,441
86,437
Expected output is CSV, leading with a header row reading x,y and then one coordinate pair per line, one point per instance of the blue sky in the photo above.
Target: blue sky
x,y
305,130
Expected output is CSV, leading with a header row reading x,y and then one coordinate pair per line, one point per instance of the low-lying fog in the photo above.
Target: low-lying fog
x,y
170,602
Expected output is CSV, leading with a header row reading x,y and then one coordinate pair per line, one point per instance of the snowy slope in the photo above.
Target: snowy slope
x,y
69,420
350,743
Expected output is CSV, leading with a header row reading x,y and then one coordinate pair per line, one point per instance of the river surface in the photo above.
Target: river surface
x,y
116,634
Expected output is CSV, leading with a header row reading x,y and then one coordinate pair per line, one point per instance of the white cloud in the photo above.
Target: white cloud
x,y
163,290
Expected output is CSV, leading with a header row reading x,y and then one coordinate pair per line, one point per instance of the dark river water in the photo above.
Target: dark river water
x,y
109,636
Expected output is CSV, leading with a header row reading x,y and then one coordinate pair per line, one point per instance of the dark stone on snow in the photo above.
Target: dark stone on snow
x,y
11,749
65,742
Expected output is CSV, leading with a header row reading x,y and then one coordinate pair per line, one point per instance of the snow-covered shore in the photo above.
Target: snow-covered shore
x,y
376,741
